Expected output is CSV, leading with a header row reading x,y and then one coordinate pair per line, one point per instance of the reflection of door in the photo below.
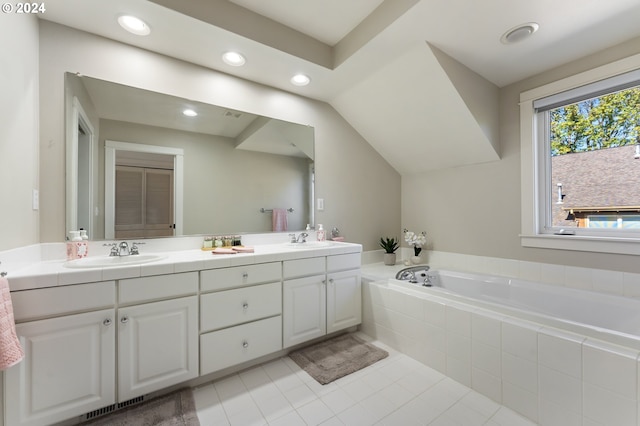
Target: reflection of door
x,y
143,202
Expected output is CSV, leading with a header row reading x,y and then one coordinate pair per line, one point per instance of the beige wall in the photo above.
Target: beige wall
x,y
476,209
361,190
18,129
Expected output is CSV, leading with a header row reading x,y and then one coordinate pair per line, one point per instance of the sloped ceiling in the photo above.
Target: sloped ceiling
x,y
422,121
417,78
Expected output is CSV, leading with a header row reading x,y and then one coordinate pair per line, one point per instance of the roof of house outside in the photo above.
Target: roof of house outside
x,y
605,180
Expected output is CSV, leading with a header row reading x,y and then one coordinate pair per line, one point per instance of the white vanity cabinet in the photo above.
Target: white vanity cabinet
x,y
320,295
157,340
69,365
240,314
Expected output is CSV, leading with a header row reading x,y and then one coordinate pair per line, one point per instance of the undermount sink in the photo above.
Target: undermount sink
x,y
111,261
311,244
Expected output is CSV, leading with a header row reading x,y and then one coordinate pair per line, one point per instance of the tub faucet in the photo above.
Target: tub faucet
x,y
409,276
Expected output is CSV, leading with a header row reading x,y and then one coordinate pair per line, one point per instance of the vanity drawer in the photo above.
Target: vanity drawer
x,y
235,345
231,307
156,287
303,267
220,279
56,301
342,262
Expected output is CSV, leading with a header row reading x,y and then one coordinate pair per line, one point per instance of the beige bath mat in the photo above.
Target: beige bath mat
x,y
175,409
337,357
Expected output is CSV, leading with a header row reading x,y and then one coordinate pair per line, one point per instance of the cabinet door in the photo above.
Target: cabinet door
x,y
344,300
303,309
68,370
158,346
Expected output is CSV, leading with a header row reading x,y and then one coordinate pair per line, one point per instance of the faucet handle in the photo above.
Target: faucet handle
x,y
114,249
292,238
134,248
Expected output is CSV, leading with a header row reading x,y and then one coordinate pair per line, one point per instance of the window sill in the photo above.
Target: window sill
x,y
615,245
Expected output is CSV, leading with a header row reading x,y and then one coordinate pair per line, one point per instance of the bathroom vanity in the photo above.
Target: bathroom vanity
x,y
97,338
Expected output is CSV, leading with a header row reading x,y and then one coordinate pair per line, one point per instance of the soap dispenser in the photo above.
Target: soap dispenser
x,y
320,233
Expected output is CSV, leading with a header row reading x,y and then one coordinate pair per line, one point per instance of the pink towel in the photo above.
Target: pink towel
x,y
10,350
279,220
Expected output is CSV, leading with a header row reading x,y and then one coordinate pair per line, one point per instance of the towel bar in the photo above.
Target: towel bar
x,y
263,210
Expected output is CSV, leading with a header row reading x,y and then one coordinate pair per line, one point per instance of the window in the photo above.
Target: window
x,y
580,140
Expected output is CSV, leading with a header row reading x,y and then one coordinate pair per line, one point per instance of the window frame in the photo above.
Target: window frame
x,y
536,173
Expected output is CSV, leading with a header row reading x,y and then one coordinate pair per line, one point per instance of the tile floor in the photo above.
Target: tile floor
x,y
397,391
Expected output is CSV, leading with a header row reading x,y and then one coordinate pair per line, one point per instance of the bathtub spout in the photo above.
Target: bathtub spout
x,y
409,274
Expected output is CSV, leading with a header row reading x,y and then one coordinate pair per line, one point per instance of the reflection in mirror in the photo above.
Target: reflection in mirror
x,y
150,170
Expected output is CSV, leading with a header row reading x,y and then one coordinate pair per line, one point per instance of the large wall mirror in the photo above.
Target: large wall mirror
x,y
138,166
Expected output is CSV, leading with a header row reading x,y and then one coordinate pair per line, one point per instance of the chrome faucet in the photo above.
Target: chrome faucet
x,y
294,239
124,249
427,280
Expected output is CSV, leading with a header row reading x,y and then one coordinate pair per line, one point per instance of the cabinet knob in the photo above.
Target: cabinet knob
x,y
245,275
245,344
331,280
245,306
124,320
106,322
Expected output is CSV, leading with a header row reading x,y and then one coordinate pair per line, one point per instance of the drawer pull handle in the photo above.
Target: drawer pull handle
x,y
107,322
124,320
245,275
245,344
245,306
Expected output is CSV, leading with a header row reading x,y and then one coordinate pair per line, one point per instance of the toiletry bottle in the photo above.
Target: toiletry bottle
x,y
320,234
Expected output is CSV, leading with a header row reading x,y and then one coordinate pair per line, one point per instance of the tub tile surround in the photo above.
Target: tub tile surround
x,y
551,376
600,280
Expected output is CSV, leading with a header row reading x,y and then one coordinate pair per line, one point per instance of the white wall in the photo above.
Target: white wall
x,y
18,129
361,190
476,209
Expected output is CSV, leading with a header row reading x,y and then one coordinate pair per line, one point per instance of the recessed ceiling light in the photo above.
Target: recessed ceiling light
x,y
519,33
189,112
300,80
134,25
234,59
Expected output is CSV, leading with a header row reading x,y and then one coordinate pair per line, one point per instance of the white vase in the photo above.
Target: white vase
x,y
416,260
389,259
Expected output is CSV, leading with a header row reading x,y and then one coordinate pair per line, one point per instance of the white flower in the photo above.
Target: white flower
x,y
416,240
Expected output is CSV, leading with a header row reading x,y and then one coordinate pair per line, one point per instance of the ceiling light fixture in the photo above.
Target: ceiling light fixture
x,y
189,112
300,80
519,33
134,25
234,59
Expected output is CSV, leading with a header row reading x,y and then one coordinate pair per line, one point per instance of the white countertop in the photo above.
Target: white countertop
x,y
36,273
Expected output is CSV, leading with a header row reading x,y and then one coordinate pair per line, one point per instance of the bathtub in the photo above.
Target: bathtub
x,y
608,317
556,355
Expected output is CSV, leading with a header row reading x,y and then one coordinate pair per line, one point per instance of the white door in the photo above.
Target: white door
x,y
158,346
344,300
303,309
68,370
